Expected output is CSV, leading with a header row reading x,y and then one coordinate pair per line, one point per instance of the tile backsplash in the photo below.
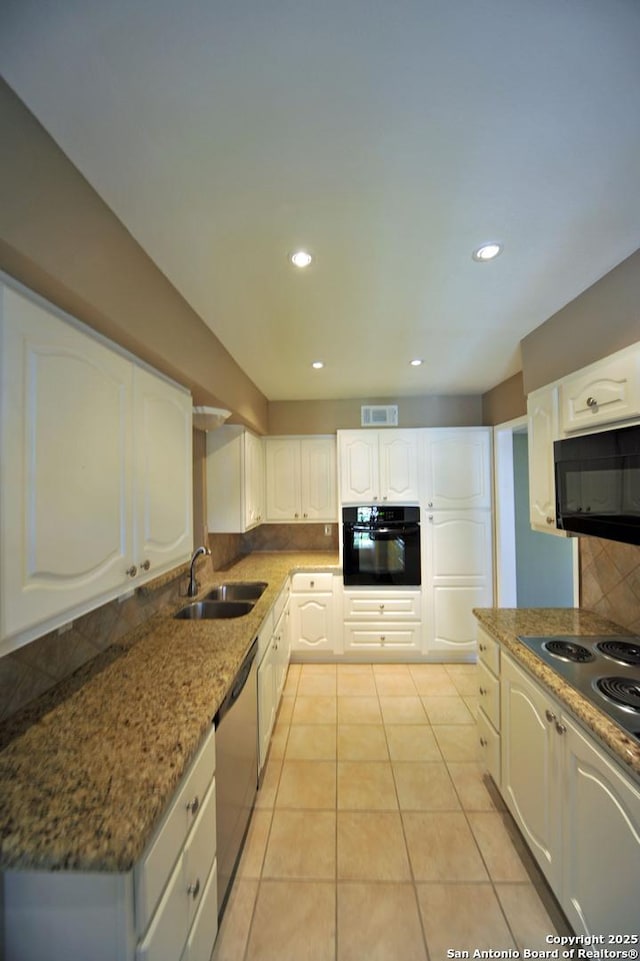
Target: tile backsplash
x,y
610,580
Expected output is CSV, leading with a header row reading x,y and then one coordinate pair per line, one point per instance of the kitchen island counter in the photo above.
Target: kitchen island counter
x,y
506,624
87,770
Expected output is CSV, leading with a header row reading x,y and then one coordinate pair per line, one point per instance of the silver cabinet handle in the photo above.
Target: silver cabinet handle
x,y
381,607
549,716
592,402
549,520
131,571
194,889
560,728
193,805
145,565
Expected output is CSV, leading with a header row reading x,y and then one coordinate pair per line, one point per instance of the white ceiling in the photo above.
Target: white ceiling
x,y
391,138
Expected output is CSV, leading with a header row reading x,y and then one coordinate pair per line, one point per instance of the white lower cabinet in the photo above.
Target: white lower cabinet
x,y
165,909
384,623
274,649
577,809
314,629
489,711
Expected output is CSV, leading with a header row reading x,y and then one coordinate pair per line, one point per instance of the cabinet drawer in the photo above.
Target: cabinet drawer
x,y
606,392
308,583
489,690
489,747
391,637
489,651
382,607
155,866
205,926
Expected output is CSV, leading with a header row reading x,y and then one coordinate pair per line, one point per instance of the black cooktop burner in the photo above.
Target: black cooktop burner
x,y
623,651
569,651
624,691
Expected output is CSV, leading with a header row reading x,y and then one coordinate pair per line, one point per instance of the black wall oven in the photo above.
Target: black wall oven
x,y
381,545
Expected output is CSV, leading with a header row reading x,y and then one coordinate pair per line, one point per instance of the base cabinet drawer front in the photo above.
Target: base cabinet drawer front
x,y
603,393
306,583
489,691
382,607
489,740
390,638
489,651
205,926
155,866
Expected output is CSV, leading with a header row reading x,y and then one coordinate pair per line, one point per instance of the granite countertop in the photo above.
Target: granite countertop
x,y
505,624
88,769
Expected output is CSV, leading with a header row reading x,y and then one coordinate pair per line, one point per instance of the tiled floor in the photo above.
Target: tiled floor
x,y
375,836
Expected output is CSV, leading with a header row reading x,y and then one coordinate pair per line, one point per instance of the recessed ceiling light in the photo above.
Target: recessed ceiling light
x,y
417,362
487,252
300,258
317,365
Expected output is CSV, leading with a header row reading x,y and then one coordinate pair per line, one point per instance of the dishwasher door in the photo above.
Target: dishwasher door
x,y
236,726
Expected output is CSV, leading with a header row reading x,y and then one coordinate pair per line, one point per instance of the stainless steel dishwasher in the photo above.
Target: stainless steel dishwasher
x,y
236,724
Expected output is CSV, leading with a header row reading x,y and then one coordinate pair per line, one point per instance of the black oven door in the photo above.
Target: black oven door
x,y
384,554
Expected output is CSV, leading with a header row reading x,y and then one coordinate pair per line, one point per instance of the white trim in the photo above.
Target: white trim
x,y
504,513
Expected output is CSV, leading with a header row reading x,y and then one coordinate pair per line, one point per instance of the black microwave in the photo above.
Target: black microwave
x,y
597,479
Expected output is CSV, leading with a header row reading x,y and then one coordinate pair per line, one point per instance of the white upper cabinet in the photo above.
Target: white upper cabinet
x,y
602,393
96,471
300,479
378,465
542,412
235,480
456,468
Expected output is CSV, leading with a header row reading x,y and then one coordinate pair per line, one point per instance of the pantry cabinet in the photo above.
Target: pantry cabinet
x,y
235,480
164,909
96,468
300,479
576,808
455,468
378,465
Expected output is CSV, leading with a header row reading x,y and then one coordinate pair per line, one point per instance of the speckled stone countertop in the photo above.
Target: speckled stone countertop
x,y
87,770
505,624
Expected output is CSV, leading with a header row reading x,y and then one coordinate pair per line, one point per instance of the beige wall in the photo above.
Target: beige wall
x,y
504,402
327,416
601,320
60,239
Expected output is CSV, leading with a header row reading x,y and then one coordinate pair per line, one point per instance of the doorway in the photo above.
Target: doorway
x,y
532,569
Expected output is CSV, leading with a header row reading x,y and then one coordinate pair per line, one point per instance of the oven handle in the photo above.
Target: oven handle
x,y
395,529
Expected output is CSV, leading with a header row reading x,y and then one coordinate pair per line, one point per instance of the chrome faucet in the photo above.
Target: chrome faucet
x,y
194,587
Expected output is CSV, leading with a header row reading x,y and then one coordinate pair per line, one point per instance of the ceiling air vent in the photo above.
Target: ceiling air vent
x,y
373,415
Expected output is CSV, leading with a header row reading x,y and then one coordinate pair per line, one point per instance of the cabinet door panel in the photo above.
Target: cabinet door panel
x,y
311,623
67,472
451,625
283,479
359,480
459,546
458,468
163,472
606,392
399,465
542,409
318,479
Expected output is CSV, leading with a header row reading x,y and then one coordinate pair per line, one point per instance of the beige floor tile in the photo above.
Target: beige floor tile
x,y
348,670
359,710
465,678
285,711
293,921
498,850
266,796
447,710
424,786
412,742
309,670
473,786
301,846
379,922
458,742
441,847
435,684
402,710
234,930
395,685
307,784
371,847
319,709
312,684
250,865
428,670
357,685
278,744
362,742
464,669
465,917
311,742
526,914
366,786
291,683
380,670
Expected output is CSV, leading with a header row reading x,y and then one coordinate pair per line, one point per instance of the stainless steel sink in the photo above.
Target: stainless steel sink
x,y
214,610
237,591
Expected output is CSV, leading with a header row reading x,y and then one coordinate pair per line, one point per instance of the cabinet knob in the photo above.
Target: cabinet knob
x,y
383,638
312,583
145,565
305,515
131,571
382,607
384,498
430,517
549,520
592,402
549,716
296,514
483,742
483,691
430,504
482,647
375,498
194,889
560,728
193,805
